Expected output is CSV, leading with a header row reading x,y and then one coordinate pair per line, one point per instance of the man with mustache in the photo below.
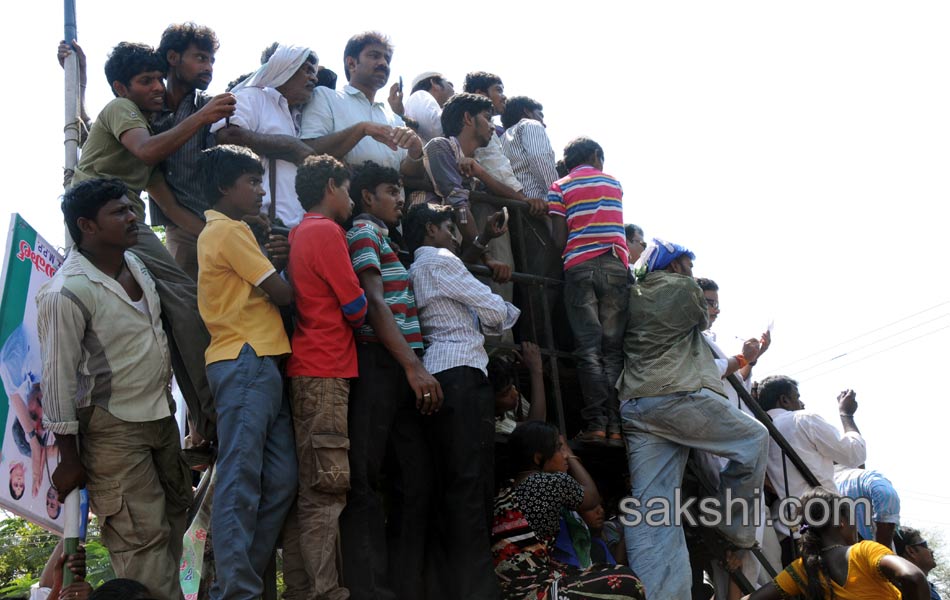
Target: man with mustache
x,y
106,368
335,122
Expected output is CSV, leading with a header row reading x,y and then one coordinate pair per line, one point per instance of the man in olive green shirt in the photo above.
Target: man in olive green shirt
x,y
673,400
121,145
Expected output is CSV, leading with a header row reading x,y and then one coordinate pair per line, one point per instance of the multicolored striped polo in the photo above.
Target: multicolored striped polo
x,y
368,242
591,201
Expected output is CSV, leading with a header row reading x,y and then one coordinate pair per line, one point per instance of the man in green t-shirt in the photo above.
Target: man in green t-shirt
x,y
121,145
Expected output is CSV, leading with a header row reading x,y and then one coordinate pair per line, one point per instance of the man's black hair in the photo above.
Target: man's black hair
x,y
528,438
707,285
630,230
86,198
480,81
904,537
420,215
453,113
561,168
516,108
366,177
326,78
358,42
427,83
314,175
221,166
179,36
128,60
233,83
579,151
120,589
772,387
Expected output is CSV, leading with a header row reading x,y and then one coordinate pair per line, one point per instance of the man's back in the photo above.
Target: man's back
x,y
663,347
818,443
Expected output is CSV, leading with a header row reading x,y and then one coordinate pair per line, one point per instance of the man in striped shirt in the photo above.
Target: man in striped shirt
x,y
387,405
455,310
587,222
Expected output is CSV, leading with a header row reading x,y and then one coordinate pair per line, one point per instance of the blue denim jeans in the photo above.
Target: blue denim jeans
x,y
256,470
596,293
660,431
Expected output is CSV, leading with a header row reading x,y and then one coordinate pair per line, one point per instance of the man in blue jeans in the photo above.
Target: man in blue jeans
x,y
673,400
587,223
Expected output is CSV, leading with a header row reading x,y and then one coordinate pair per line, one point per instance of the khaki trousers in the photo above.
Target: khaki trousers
x,y
140,488
320,427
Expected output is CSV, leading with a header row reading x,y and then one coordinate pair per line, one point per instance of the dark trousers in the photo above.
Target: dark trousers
x,y
383,555
461,442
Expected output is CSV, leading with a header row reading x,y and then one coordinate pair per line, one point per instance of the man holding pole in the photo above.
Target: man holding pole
x,y
107,370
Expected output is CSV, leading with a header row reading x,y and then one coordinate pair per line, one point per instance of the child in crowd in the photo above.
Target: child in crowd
x,y
330,304
238,294
511,407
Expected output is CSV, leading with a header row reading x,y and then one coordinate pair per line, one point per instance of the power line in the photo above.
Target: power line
x,y
868,345
876,353
794,362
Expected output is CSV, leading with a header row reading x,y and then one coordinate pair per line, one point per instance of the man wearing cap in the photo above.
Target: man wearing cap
x,y
430,92
909,544
268,110
673,401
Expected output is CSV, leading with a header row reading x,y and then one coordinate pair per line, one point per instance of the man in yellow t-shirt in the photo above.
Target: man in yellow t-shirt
x,y
238,294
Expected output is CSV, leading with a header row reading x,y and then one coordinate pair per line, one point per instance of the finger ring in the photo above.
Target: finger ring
x,y
427,395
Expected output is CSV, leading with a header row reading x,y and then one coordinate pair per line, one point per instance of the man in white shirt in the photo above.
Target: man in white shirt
x,y
350,124
816,441
265,121
430,91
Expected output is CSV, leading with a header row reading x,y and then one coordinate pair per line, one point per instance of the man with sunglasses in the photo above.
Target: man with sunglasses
x,y
911,545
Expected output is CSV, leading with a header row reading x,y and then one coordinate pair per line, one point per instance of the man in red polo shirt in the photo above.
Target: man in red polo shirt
x,y
330,304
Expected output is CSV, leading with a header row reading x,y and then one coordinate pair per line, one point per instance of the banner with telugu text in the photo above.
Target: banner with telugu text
x,y
28,454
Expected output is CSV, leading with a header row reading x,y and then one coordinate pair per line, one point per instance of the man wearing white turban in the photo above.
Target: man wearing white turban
x,y
267,121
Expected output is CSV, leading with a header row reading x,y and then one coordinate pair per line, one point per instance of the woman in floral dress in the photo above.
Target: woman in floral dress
x,y
526,523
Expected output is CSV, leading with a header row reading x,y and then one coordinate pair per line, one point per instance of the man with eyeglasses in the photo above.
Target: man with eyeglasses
x,y
911,545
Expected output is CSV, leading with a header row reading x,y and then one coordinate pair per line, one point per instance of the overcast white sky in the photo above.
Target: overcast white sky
x,y
800,149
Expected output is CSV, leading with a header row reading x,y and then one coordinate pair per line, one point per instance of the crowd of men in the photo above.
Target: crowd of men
x,y
346,394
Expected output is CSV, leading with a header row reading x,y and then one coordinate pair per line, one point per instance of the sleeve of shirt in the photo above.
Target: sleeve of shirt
x,y
556,201
872,553
541,157
567,490
885,503
316,120
61,326
122,115
787,581
241,253
847,448
364,250
422,107
494,314
443,170
342,279
247,111
493,159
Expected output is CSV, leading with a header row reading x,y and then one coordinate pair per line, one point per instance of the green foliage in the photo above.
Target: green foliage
x,y
25,548
160,232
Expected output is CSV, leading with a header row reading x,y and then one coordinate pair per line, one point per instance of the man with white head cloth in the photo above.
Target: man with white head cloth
x,y
267,121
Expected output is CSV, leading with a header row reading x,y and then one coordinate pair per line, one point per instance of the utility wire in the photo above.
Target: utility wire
x,y
875,353
857,337
868,345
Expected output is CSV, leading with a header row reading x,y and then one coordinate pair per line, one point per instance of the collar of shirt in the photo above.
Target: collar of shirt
x,y
77,264
352,91
775,412
427,251
374,222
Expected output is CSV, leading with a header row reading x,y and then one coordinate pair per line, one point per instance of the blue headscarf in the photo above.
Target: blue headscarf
x,y
659,254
